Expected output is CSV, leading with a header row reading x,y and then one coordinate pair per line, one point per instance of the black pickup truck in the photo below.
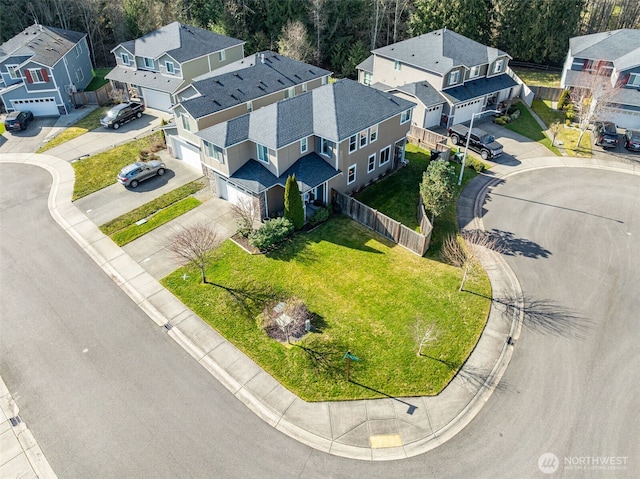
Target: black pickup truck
x,y
122,113
480,141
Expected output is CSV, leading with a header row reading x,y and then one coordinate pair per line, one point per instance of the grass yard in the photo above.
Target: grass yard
x,y
568,136
101,170
366,293
88,123
539,77
527,126
98,79
547,114
2,130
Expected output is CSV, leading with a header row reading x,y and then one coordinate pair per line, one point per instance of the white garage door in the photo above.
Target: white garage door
x,y
190,154
464,111
235,195
622,119
432,116
156,99
37,106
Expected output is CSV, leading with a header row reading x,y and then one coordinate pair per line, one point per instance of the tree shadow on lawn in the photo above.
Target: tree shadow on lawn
x,y
250,296
325,357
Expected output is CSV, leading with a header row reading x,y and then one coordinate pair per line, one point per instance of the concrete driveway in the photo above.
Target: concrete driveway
x,y
27,141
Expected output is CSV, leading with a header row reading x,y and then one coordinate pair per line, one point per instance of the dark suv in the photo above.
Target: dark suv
x,y
605,134
18,120
121,114
632,140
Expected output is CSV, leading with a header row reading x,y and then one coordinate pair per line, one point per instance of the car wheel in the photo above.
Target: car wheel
x,y
116,125
133,184
454,139
484,154
161,172
139,115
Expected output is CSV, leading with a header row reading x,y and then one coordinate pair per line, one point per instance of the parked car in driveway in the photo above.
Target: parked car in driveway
x,y
605,134
18,120
121,114
131,175
631,140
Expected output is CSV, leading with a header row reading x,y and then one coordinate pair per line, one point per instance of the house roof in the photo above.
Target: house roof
x,y
622,47
310,171
146,79
246,80
366,65
44,45
335,112
478,88
422,91
440,51
182,42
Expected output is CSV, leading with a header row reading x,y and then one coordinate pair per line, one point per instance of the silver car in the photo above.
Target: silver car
x,y
139,171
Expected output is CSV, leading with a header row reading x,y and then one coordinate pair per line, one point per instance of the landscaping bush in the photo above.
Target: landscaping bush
x,y
515,115
499,121
319,216
476,165
563,101
271,233
570,114
505,118
512,110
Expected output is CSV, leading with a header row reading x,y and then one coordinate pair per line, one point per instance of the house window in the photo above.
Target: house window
x,y
454,77
78,50
186,124
351,174
37,75
397,65
634,79
497,68
475,71
14,71
364,138
79,75
290,92
222,55
373,133
148,63
214,151
368,78
371,164
125,58
263,153
170,68
405,117
304,87
385,155
326,147
353,143
304,145
249,106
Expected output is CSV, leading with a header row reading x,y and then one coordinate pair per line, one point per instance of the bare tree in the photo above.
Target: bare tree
x,y
554,129
465,250
194,244
294,42
247,215
423,333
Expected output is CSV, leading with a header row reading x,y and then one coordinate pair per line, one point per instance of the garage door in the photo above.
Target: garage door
x,y
464,111
432,116
156,99
190,154
37,106
622,119
235,195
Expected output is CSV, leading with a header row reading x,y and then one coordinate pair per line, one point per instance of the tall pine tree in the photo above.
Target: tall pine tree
x,y
293,207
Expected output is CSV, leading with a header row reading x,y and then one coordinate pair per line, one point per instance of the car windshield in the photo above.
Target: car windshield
x,y
112,113
486,139
609,128
634,135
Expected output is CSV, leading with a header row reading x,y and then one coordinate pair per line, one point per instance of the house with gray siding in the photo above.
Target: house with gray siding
x,y
448,75
232,91
614,55
41,67
339,136
157,65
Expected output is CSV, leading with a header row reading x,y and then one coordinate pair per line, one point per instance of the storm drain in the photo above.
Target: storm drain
x,y
15,420
167,326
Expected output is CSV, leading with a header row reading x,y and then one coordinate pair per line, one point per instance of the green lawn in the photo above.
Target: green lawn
x,y
88,123
538,77
546,113
101,170
2,130
568,136
527,126
366,293
98,79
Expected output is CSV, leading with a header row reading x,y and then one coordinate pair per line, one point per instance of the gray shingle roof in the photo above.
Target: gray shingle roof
x,y
478,88
439,51
424,92
45,45
182,42
622,47
310,171
153,80
335,112
366,65
246,80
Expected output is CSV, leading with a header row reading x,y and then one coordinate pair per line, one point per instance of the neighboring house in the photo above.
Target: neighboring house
x,y
154,67
450,76
614,54
340,136
40,68
232,91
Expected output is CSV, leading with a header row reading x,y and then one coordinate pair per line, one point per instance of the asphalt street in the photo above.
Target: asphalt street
x,y
107,394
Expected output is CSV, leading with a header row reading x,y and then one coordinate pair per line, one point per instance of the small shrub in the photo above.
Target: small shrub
x,y
512,110
319,216
563,100
476,165
499,121
505,118
515,115
271,233
147,155
570,114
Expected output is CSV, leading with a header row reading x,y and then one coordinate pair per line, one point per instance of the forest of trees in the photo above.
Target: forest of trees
x,y
335,34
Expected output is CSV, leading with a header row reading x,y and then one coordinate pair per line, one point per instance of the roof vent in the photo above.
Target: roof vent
x,y
280,81
219,82
237,75
234,97
262,58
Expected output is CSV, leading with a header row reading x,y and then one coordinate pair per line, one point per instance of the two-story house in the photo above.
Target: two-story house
x,y
450,76
155,66
233,90
339,136
41,67
616,55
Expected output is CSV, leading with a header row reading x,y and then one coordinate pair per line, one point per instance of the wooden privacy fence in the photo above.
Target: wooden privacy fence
x,y
388,227
428,139
546,93
101,96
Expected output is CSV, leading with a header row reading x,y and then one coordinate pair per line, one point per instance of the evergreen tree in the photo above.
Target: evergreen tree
x,y
436,188
293,207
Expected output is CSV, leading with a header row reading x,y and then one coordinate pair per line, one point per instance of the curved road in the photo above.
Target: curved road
x,y
107,394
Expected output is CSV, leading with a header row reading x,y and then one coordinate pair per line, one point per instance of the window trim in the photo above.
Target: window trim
x,y
222,55
323,143
304,144
186,124
363,135
373,133
475,70
38,77
14,72
405,116
304,87
265,149
388,150
172,69
353,143
146,65
397,65
78,50
124,56
454,77
250,106
634,80
367,79
353,167
214,151
371,166
498,66
290,92
79,75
